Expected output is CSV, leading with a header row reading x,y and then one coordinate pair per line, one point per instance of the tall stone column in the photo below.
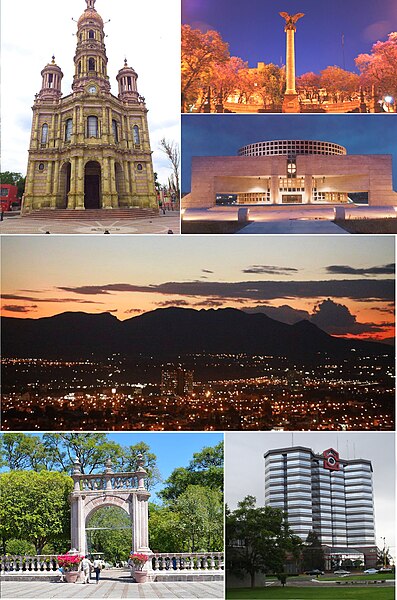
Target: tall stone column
x,y
291,102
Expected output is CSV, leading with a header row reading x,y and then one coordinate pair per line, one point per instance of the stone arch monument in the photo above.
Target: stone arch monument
x,y
123,490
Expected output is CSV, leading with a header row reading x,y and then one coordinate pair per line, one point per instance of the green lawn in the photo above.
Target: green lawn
x,y
311,593
363,577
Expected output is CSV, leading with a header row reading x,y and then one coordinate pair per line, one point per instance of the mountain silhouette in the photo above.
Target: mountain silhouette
x,y
171,332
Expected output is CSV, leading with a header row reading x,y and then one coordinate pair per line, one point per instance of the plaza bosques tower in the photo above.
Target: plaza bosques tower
x,y
89,149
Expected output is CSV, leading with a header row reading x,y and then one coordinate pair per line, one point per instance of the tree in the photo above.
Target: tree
x,y
258,539
200,519
171,149
164,530
339,83
91,449
129,458
270,84
200,53
312,553
380,67
21,451
205,469
225,78
35,507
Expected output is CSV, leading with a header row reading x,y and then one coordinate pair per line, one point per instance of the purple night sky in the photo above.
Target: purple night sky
x,y
255,32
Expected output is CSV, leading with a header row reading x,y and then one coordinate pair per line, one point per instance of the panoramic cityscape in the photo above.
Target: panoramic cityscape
x,y
296,343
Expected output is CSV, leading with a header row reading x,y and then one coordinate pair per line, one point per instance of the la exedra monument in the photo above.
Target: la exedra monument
x,y
291,101
89,149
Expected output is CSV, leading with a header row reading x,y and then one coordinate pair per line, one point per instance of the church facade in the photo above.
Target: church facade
x,y
89,149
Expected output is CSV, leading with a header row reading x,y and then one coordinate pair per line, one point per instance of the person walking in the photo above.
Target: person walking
x,y
86,566
97,568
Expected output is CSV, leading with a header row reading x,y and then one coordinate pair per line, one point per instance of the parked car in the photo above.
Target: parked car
x,y
341,572
314,572
370,571
385,570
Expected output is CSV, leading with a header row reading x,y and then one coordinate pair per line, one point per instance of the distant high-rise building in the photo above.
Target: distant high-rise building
x,y
326,494
176,382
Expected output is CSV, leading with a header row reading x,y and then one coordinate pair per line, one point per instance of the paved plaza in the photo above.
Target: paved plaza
x,y
157,225
112,585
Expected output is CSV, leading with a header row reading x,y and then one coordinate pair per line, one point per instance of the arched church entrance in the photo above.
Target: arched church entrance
x,y
92,185
64,185
126,491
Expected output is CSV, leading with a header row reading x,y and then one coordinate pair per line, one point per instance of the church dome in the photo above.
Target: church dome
x,y
89,15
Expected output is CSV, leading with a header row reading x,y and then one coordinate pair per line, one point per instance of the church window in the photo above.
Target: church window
x,y
92,126
50,80
91,64
137,139
115,129
68,129
91,34
79,66
44,134
41,167
139,167
129,84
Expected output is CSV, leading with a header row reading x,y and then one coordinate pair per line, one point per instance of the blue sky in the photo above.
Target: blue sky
x,y
255,32
223,135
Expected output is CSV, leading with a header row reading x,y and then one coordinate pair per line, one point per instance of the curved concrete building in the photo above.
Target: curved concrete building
x,y
291,148
291,172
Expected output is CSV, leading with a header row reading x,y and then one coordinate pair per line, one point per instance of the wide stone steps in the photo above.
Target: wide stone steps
x,y
113,214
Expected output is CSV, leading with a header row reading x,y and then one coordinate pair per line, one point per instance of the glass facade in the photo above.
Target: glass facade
x,y
336,503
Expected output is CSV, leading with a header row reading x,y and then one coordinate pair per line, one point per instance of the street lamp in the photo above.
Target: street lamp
x,y
388,100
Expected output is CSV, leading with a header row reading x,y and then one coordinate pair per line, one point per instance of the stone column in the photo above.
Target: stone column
x,y
80,183
291,102
56,182
48,190
105,130
106,196
80,136
73,182
112,181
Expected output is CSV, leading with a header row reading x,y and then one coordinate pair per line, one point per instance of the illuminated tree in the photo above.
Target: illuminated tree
x,y
339,83
380,67
226,80
201,52
270,84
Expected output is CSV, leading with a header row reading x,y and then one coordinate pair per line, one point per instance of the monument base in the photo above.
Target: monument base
x,y
291,103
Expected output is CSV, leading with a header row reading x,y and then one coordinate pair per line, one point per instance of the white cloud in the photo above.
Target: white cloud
x,y
148,34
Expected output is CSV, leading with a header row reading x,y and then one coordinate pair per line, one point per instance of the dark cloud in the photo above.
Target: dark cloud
x,y
33,299
206,271
346,270
336,318
19,309
269,270
355,289
168,303
133,311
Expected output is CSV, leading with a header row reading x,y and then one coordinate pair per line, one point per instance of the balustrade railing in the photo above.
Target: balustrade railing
x,y
18,563
188,562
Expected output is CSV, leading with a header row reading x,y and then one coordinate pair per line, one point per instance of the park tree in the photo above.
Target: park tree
x,y
270,84
128,461
226,80
35,508
200,53
200,518
205,469
164,530
313,553
379,68
91,449
258,539
339,83
21,451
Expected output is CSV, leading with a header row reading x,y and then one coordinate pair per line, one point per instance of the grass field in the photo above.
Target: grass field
x,y
311,593
375,577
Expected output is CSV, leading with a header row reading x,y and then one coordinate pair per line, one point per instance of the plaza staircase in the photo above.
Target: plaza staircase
x,y
114,214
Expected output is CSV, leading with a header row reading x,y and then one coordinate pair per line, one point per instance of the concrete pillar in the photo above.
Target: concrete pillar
x,y
308,195
274,190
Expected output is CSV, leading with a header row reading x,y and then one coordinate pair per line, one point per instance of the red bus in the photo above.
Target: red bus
x,y
9,198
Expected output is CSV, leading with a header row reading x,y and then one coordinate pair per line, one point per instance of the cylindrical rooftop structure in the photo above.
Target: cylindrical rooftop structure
x,y
291,148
